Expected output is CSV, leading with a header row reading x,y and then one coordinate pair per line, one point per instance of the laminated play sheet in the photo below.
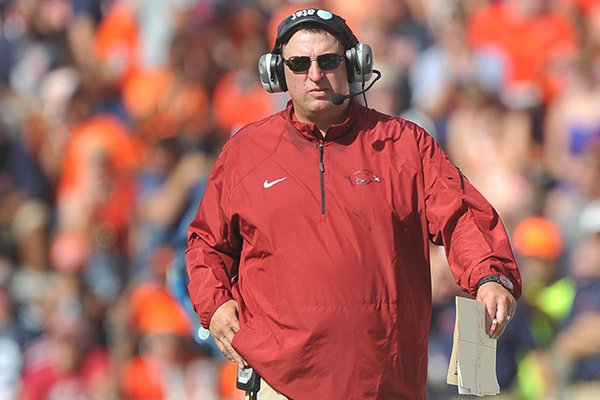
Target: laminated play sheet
x,y
473,361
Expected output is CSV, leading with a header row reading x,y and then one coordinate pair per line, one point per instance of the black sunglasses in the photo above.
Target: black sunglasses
x,y
324,61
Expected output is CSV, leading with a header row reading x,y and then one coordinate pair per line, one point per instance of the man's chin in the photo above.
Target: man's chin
x,y
317,109
321,104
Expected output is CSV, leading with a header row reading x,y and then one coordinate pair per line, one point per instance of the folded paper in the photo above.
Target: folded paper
x,y
473,361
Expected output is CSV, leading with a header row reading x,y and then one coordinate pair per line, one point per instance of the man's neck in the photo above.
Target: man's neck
x,y
323,131
324,123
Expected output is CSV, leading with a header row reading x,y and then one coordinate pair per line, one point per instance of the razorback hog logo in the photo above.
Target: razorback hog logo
x,y
364,177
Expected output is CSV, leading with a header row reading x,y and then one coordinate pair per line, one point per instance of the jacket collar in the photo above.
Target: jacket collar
x,y
307,130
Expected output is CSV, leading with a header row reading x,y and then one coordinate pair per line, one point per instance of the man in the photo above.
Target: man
x,y
309,256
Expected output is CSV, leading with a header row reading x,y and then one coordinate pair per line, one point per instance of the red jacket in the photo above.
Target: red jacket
x,y
324,245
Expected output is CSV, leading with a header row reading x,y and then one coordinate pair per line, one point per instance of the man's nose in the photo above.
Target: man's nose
x,y
314,72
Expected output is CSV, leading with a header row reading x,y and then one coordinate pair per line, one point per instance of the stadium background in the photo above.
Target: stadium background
x,y
112,111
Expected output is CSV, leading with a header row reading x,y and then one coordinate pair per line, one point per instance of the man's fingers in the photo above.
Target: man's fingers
x,y
230,353
239,360
223,337
223,327
500,306
227,324
498,332
225,332
501,314
225,318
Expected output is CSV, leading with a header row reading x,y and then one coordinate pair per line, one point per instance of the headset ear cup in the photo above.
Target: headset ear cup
x,y
359,63
270,71
279,73
350,64
263,72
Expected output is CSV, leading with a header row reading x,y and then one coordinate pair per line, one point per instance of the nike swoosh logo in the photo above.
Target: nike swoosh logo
x,y
267,184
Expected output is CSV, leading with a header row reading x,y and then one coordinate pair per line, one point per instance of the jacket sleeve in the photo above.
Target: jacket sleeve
x,y
213,247
463,221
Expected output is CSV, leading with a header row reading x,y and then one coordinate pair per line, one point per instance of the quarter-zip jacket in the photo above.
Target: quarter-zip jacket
x,y
324,244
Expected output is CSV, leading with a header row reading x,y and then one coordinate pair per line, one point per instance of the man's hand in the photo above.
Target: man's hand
x,y
500,306
224,324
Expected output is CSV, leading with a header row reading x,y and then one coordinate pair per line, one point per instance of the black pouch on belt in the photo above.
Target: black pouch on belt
x,y
249,381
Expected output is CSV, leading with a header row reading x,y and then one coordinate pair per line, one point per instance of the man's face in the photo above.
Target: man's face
x,y
311,90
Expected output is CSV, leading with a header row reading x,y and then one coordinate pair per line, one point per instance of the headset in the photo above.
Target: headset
x,y
358,56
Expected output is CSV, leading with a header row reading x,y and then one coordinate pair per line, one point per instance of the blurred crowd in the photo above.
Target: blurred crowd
x,y
112,111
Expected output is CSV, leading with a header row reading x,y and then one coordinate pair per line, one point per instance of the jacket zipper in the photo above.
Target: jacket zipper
x,y
322,170
321,142
462,179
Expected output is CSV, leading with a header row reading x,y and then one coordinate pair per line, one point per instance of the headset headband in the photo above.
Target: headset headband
x,y
332,23
358,56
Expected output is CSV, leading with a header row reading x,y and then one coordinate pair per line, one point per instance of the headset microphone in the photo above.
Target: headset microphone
x,y
339,98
